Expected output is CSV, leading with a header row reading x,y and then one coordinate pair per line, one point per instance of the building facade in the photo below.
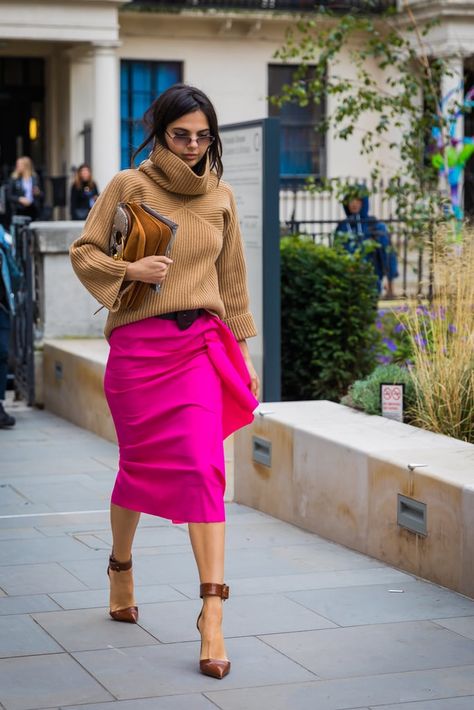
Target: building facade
x,y
77,76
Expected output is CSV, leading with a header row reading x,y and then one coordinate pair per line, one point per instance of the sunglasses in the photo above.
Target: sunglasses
x,y
184,141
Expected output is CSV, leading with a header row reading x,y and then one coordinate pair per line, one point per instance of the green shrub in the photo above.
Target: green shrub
x,y
365,394
328,308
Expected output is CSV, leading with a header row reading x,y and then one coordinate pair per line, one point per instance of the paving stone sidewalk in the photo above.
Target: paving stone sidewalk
x,y
309,624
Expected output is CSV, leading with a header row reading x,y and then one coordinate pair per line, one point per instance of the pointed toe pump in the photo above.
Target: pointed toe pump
x,y
128,614
214,667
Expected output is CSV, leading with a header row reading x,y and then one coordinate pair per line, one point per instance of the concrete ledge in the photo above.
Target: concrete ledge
x,y
338,473
56,237
66,308
73,374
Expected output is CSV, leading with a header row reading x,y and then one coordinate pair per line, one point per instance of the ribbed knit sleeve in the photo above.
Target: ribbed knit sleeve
x,y
232,277
100,273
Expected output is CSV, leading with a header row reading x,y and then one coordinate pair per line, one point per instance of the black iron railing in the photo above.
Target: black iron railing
x,y
368,6
25,312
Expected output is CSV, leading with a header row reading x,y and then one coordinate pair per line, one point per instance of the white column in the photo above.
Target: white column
x,y
106,116
453,81
81,90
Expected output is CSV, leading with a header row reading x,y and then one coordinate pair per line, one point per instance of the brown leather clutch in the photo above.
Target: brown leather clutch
x,y
139,231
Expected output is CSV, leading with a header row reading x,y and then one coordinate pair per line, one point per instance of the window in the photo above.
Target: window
x,y
140,83
302,149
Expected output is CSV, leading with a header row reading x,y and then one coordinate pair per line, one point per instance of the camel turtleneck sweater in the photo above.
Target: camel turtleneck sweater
x,y
208,269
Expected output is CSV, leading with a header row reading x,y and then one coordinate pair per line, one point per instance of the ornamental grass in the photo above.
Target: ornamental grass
x,y
442,343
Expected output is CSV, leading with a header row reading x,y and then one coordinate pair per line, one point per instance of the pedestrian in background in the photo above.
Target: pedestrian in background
x,y
84,193
364,233
179,378
9,283
24,193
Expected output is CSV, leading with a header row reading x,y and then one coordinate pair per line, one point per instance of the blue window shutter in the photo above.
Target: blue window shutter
x,y
140,84
301,146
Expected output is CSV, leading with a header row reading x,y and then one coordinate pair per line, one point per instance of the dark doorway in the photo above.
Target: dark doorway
x,y
21,112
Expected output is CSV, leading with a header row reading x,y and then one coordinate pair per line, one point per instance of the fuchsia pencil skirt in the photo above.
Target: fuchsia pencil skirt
x,y
174,396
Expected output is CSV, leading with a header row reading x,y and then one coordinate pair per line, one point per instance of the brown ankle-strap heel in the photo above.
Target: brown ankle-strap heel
x,y
130,613
214,667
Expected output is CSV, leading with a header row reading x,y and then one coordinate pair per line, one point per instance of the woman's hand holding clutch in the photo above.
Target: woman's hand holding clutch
x,y
150,269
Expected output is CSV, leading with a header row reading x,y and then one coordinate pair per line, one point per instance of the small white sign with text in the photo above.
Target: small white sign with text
x,y
391,399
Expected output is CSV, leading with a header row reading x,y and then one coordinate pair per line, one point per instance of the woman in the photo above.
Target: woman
x,y
178,379
84,193
24,193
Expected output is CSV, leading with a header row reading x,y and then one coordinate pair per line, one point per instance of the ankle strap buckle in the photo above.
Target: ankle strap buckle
x,y
210,589
117,566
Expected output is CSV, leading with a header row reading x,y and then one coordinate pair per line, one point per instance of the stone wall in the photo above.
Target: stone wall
x,y
66,308
339,473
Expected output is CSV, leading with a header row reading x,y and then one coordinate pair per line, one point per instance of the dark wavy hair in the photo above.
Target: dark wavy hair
x,y
77,177
173,103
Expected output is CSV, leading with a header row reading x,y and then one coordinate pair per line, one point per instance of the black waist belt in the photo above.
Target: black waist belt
x,y
184,319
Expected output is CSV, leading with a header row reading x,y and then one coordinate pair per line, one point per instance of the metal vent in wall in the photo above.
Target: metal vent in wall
x,y
411,514
262,450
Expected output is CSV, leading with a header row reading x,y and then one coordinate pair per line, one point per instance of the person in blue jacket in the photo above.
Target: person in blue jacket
x,y
364,233
10,277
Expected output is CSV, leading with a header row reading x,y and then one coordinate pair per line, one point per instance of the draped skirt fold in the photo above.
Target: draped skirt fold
x,y
175,395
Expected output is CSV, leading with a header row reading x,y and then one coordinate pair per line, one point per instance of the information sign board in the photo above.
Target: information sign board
x,y
251,167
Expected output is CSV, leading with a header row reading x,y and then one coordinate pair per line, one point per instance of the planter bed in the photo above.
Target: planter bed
x,y
359,480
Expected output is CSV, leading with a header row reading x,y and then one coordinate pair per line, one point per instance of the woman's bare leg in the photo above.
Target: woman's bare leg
x,y
124,524
208,542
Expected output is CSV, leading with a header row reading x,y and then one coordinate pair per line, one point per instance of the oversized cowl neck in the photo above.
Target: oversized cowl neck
x,y
172,173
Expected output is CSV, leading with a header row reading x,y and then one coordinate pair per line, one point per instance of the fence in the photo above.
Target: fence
x,y
297,204
318,214
26,312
